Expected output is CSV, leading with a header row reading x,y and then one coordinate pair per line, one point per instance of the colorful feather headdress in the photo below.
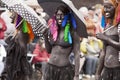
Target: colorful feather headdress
x,y
68,22
26,27
116,20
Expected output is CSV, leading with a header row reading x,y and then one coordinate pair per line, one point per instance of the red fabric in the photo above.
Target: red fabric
x,y
4,28
41,55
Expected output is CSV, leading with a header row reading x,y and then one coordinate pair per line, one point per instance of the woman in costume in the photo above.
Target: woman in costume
x,y
109,64
17,66
61,41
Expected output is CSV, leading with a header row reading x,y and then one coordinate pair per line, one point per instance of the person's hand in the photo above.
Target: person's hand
x,y
102,36
97,77
76,77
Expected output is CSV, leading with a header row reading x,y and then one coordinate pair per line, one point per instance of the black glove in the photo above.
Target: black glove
x,y
102,36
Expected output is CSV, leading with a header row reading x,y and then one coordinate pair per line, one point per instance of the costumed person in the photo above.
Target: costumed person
x,y
61,41
42,56
109,63
17,66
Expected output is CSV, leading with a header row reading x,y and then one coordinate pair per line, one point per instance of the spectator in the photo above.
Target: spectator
x,y
94,47
41,54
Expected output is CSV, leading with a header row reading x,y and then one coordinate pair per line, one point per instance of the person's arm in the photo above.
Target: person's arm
x,y
110,41
47,44
76,51
100,64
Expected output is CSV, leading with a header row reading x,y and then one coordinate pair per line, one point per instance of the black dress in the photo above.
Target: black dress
x,y
53,72
16,67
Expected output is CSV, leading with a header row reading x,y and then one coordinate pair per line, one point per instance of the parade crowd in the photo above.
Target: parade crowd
x,y
57,52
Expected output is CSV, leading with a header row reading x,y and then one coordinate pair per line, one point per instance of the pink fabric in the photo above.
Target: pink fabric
x,y
42,55
118,16
4,28
53,28
98,28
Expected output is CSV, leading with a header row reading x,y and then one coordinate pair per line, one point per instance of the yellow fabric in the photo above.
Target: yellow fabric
x,y
91,42
100,44
83,46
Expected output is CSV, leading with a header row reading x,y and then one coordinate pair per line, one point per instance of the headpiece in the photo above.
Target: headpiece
x,y
116,4
24,26
111,1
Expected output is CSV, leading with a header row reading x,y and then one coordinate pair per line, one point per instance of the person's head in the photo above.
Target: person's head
x,y
109,9
60,13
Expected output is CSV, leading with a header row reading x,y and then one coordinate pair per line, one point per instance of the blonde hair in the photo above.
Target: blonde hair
x,y
117,7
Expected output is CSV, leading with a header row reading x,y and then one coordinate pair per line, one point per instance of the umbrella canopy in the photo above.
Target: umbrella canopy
x,y
89,3
49,6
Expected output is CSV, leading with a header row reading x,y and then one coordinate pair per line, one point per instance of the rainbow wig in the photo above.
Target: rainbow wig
x,y
26,27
